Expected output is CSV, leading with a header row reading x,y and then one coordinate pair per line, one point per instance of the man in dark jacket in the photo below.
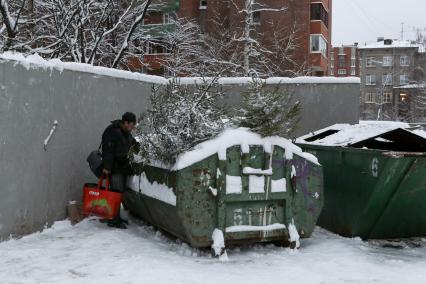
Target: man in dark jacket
x,y
116,143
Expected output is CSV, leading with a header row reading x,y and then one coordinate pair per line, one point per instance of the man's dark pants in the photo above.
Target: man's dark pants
x,y
118,182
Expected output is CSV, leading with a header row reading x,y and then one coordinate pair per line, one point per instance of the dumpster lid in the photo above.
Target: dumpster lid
x,y
380,135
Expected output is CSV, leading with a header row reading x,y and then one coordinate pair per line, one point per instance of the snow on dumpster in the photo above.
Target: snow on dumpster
x,y
248,187
373,178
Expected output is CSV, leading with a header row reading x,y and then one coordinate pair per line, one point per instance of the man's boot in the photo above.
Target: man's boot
x,y
117,222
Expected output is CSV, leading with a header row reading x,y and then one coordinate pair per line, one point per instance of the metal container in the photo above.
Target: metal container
x,y
374,184
254,195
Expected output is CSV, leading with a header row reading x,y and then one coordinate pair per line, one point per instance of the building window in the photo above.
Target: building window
x,y
319,13
403,79
341,72
342,61
370,80
319,45
387,61
353,53
353,62
403,97
156,47
387,80
256,17
203,4
404,60
371,62
331,72
353,72
387,97
166,18
370,97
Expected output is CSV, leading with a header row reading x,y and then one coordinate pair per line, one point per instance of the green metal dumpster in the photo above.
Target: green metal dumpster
x,y
374,179
248,188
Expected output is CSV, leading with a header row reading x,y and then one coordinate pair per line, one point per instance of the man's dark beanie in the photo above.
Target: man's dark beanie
x,y
129,117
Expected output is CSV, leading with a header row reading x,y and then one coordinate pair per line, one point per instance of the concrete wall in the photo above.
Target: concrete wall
x,y
36,185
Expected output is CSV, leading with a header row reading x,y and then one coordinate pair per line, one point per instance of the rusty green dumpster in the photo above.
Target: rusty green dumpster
x,y
248,188
374,179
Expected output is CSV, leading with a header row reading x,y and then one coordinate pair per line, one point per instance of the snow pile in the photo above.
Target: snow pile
x,y
347,134
91,252
294,235
234,137
218,245
153,190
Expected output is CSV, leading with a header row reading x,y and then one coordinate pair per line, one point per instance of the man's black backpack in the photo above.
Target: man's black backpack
x,y
95,162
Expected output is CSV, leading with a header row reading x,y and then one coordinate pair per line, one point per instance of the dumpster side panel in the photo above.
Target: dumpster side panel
x,y
391,174
308,196
350,176
152,210
196,199
370,194
404,216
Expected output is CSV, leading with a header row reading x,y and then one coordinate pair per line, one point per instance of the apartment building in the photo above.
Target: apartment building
x,y
385,67
312,20
344,61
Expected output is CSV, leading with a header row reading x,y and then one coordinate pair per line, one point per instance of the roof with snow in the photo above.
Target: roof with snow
x,y
383,135
411,86
394,44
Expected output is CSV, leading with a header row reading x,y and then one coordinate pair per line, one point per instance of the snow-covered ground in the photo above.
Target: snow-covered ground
x,y
91,252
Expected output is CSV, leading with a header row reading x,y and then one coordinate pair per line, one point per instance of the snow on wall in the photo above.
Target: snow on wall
x,y
36,61
256,184
154,190
245,228
234,185
279,185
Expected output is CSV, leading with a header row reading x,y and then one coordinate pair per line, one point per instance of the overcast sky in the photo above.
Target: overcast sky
x,y
365,20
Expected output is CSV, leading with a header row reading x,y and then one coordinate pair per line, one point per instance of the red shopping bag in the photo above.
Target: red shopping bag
x,y
101,201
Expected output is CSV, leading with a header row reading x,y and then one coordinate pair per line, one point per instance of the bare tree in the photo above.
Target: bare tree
x,y
185,49
232,50
88,31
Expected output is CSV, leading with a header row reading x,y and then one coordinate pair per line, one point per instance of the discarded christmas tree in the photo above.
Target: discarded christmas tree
x,y
268,111
179,118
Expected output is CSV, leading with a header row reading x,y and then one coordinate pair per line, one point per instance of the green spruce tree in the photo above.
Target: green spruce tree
x,y
180,117
268,111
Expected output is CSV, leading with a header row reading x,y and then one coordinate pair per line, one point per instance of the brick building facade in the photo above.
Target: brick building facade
x,y
312,20
344,61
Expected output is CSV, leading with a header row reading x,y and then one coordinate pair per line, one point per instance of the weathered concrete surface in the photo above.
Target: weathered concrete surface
x,y
36,185
323,104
